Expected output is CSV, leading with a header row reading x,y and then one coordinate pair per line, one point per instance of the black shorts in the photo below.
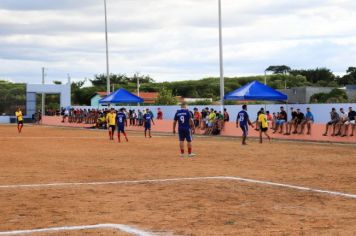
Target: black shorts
x,y
333,122
263,129
20,122
112,127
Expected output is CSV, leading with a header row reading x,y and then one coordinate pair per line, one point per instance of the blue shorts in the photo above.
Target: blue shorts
x,y
121,128
280,122
147,126
244,129
185,134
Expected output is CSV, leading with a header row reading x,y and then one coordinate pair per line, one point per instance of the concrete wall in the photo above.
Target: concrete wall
x,y
301,95
32,89
4,119
320,111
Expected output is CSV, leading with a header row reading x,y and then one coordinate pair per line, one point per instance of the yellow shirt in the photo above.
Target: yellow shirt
x,y
262,118
211,117
111,118
19,115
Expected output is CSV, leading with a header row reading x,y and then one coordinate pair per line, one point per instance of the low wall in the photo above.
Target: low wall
x,y
4,119
166,126
321,111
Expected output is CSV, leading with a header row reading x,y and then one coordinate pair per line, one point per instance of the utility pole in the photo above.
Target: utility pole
x,y
138,88
222,84
107,52
43,95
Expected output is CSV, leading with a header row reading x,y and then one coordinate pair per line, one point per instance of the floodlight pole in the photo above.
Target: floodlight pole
x,y
43,95
107,52
138,89
265,78
222,89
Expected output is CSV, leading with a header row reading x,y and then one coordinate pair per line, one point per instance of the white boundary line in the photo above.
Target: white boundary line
x,y
119,227
295,187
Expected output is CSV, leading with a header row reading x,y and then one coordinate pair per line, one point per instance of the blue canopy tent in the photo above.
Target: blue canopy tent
x,y
121,96
256,91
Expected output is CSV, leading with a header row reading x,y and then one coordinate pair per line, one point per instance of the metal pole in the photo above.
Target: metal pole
x,y
222,89
138,88
107,52
265,78
43,95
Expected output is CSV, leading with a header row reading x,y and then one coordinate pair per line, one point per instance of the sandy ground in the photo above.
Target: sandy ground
x,y
204,207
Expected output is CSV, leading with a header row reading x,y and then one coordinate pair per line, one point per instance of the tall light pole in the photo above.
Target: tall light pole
x,y
265,78
138,88
222,89
43,94
107,52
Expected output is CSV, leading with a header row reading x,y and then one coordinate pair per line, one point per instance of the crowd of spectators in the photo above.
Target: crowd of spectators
x,y
341,122
297,123
210,120
97,117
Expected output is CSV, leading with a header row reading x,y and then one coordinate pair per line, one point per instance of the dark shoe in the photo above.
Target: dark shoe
x,y
326,135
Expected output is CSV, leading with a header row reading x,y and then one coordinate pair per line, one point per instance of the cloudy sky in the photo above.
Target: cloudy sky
x,y
172,39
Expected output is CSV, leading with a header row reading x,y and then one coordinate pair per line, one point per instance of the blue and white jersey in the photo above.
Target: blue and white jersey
x,y
120,119
242,118
183,117
147,117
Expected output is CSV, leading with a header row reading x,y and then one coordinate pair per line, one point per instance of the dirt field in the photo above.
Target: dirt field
x,y
198,206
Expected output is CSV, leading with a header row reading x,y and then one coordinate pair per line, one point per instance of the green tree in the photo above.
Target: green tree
x,y
57,82
166,97
280,69
316,75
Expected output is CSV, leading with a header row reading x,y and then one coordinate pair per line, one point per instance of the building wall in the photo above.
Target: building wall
x,y
301,95
94,101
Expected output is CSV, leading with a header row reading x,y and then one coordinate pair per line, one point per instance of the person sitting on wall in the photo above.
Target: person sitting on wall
x,y
351,121
334,119
308,121
281,120
292,122
343,119
298,123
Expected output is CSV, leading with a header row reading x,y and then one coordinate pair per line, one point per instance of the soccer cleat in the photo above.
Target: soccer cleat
x,y
181,155
191,155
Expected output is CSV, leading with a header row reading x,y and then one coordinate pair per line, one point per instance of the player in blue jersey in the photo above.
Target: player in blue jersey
x,y
121,122
185,129
147,119
244,121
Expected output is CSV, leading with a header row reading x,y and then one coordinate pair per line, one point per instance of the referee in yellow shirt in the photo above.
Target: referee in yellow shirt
x,y
19,119
111,122
262,121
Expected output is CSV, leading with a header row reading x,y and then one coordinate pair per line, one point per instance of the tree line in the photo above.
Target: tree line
x,y
277,76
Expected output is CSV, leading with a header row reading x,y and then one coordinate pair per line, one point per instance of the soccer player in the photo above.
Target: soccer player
x,y
185,128
147,119
19,119
262,121
121,122
244,121
111,123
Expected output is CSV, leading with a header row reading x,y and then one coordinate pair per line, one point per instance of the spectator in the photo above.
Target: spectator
x,y
350,121
197,117
335,118
308,121
300,119
281,120
159,114
343,119
140,117
292,122
226,115
269,119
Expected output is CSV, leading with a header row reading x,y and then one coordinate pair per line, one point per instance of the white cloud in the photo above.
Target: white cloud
x,y
176,39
